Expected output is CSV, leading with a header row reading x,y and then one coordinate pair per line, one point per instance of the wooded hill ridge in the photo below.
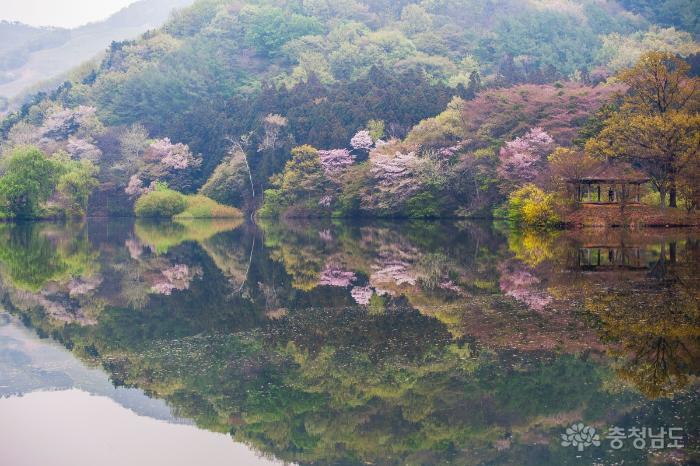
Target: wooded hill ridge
x,y
345,107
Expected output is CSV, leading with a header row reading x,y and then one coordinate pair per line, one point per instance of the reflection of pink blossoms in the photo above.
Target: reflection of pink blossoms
x,y
325,235
362,295
392,271
177,277
81,286
334,276
522,285
362,141
134,247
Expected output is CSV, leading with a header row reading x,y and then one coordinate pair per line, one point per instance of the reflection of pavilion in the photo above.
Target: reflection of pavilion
x,y
602,258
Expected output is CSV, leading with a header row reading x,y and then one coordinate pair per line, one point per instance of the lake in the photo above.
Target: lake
x,y
347,343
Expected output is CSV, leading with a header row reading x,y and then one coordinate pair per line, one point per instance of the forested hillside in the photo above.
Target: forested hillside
x,y
408,102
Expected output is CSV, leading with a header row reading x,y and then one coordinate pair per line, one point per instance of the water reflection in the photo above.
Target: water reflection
x,y
384,343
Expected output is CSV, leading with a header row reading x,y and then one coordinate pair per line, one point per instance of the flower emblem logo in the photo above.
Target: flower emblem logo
x,y
580,436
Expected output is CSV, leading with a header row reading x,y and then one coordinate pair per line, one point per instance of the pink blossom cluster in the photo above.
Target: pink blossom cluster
x,y
334,161
332,275
449,152
56,310
136,187
63,123
82,149
397,175
173,156
522,159
325,201
449,285
325,235
134,247
362,140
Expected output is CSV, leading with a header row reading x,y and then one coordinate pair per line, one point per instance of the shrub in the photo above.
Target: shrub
x,y
530,206
202,207
162,202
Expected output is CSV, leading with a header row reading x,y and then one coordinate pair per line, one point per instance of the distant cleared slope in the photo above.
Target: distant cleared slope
x,y
29,55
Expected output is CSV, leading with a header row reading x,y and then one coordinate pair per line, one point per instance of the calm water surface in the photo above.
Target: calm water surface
x,y
337,343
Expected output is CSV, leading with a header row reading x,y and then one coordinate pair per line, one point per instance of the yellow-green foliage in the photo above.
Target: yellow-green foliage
x,y
446,128
162,202
167,203
161,236
530,206
199,206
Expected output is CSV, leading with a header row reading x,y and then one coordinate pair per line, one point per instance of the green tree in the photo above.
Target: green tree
x,y
658,125
28,181
301,184
76,183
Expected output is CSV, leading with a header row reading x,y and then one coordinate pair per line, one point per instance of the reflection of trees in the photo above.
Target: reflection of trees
x,y
660,365
426,374
48,266
323,387
160,236
658,330
33,254
651,316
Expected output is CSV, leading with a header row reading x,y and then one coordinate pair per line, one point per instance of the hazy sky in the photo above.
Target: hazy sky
x,y
65,13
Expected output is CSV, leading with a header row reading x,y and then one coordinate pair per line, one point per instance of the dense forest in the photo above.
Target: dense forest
x,y
365,108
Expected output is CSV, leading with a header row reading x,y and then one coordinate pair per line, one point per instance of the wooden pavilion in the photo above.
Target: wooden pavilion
x,y
618,183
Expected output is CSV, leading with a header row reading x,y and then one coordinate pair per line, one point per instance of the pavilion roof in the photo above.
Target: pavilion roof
x,y
614,172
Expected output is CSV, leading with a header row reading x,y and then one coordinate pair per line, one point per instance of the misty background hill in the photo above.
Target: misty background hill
x,y
31,55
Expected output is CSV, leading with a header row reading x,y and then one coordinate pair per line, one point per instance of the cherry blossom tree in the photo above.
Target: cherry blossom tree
x,y
397,177
522,159
172,156
64,122
133,141
362,140
83,149
335,161
136,187
272,125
